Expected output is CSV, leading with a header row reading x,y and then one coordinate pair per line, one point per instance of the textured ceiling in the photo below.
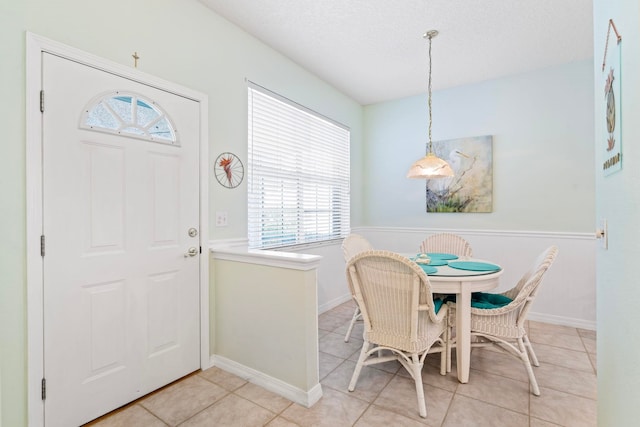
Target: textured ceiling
x,y
373,50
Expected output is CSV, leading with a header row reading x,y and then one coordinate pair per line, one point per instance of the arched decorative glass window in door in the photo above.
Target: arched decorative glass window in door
x,y
127,113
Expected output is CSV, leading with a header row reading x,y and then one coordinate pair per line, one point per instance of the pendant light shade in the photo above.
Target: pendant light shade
x,y
430,166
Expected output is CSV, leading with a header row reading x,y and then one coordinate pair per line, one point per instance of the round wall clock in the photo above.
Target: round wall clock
x,y
229,170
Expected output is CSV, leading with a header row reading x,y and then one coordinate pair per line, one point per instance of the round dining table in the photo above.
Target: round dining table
x,y
462,283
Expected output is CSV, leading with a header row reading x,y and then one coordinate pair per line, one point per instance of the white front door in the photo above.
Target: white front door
x,y
121,292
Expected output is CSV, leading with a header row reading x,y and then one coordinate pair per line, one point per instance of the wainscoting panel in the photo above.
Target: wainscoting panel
x,y
567,296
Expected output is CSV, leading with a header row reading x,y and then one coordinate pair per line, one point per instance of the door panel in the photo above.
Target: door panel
x,y
104,197
121,301
104,318
166,196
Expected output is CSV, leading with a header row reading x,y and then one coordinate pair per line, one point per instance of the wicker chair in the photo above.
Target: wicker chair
x,y
450,244
352,245
505,326
399,316
446,243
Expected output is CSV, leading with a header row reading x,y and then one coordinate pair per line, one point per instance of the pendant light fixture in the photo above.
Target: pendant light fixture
x,y
430,166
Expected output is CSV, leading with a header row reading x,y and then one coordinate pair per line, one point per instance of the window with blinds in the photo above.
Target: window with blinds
x,y
298,173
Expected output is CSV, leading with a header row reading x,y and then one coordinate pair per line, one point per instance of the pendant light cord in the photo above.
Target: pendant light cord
x,y
429,98
430,166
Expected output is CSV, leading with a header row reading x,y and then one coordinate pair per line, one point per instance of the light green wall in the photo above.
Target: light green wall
x,y
12,215
177,40
618,200
542,127
266,319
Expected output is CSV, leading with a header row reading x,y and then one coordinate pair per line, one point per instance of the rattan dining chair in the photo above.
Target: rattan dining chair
x,y
504,327
394,295
446,243
352,245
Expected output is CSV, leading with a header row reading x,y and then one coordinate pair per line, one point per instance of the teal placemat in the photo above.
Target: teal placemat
x,y
474,266
441,255
428,269
435,262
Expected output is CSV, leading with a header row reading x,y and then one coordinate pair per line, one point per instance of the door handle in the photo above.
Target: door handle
x,y
191,252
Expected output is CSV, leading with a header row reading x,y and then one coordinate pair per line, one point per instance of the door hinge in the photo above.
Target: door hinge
x,y
44,389
42,245
42,101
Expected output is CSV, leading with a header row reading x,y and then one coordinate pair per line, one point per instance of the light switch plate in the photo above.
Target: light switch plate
x,y
603,234
221,219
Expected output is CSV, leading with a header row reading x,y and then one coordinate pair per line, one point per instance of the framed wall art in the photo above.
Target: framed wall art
x,y
471,188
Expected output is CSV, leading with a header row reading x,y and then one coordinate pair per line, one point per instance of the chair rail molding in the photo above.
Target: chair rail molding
x,y
472,232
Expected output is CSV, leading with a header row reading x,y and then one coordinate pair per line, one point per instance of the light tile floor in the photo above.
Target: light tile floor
x,y
497,393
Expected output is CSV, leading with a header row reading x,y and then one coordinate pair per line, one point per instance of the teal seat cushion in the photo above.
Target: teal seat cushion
x,y
486,300
437,303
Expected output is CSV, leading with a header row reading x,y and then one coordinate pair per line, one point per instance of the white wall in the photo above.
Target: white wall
x,y
567,296
542,127
618,200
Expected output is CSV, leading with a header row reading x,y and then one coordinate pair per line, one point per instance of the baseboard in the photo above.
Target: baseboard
x,y
564,321
288,391
538,317
333,303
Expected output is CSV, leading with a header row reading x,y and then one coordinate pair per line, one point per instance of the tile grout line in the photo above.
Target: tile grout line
x,y
529,401
154,415
397,375
205,408
233,392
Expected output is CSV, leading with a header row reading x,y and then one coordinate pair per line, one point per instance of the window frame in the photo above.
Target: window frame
x,y
314,195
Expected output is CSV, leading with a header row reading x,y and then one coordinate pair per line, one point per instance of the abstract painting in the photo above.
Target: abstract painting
x,y
471,188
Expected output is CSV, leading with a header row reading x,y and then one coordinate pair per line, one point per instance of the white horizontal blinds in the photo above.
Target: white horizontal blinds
x,y
298,174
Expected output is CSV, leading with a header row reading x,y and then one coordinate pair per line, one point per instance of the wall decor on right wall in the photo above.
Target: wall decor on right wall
x,y
612,141
471,188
